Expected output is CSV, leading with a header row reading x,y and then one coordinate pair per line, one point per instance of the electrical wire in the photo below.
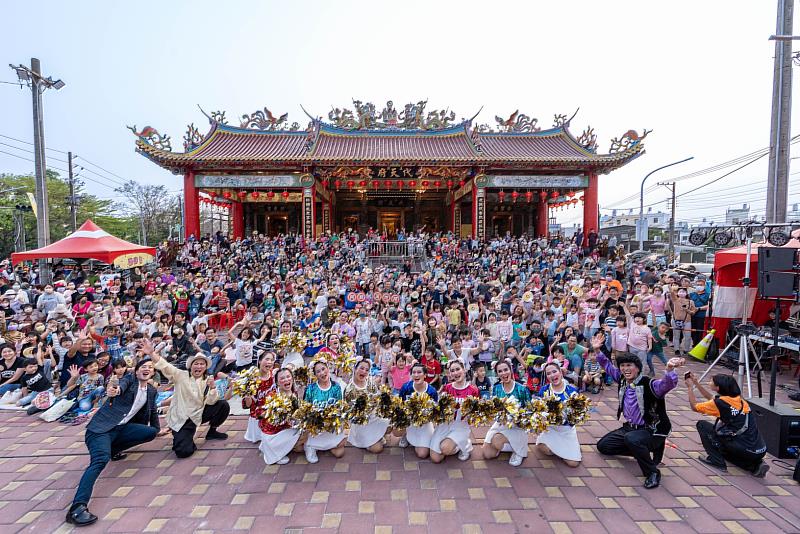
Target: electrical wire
x,y
29,143
31,152
102,168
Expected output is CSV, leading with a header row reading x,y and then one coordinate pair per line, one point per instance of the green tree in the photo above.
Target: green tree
x,y
14,190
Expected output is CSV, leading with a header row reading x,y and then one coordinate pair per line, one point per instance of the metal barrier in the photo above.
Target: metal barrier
x,y
396,250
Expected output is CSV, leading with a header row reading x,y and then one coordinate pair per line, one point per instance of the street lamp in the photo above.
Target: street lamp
x,y
640,230
32,77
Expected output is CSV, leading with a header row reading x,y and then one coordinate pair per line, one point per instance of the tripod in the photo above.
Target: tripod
x,y
744,330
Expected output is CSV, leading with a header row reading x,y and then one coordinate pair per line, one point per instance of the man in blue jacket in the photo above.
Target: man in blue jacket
x,y
127,419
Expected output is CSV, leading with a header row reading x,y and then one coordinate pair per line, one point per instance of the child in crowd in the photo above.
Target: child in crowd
x,y
592,373
400,372
619,337
659,342
481,381
90,386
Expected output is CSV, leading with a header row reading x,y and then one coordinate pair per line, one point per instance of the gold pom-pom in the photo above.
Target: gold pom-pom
x,y
419,408
301,376
555,410
245,383
576,409
508,411
445,410
479,412
358,409
534,417
278,409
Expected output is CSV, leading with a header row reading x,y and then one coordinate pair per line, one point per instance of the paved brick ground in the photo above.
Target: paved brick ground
x,y
229,489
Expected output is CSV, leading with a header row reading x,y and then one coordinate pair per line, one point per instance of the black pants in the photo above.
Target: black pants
x,y
697,328
732,450
183,440
647,449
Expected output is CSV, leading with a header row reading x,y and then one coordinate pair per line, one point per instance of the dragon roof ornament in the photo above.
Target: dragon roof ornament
x,y
411,117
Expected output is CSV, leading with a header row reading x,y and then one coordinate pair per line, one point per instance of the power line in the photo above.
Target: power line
x,y
29,143
31,152
112,180
102,169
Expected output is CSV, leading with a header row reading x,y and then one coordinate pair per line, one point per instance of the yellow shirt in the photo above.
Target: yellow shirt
x,y
188,400
453,317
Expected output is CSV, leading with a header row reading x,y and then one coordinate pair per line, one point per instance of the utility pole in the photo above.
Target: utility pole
x,y
73,202
780,128
671,187
32,76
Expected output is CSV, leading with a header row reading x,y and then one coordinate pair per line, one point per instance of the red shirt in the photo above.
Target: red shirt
x,y
433,369
471,390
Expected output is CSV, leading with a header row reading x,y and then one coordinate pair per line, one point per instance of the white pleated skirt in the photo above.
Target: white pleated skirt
x,y
275,446
253,432
458,431
562,440
325,441
517,438
420,436
363,436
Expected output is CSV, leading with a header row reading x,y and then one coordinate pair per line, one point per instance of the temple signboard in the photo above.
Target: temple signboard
x,y
535,181
247,180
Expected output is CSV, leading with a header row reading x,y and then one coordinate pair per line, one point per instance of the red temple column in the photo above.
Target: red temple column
x,y
237,219
191,207
542,219
591,211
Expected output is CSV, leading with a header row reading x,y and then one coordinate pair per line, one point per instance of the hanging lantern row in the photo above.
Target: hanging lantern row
x,y
566,203
396,184
212,202
242,195
543,195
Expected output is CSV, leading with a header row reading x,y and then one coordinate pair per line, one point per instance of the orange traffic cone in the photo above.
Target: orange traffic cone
x,y
701,349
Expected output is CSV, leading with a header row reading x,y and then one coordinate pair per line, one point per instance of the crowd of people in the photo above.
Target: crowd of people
x,y
512,317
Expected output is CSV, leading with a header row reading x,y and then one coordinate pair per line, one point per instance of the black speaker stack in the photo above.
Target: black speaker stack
x,y
779,281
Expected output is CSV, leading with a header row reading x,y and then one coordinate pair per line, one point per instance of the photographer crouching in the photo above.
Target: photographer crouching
x,y
734,436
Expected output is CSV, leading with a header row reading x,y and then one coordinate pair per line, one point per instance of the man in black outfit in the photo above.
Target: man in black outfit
x,y
127,419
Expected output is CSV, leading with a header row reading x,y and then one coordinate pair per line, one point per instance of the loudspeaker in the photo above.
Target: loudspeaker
x,y
776,258
779,425
776,285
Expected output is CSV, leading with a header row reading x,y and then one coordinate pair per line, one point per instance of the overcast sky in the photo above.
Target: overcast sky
x,y
698,73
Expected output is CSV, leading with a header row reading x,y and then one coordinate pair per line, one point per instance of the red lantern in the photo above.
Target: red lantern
x,y
362,183
571,194
554,194
412,183
449,184
425,183
255,194
514,195
388,183
337,184
580,198
226,194
437,184
285,194
212,193
375,184
502,196
461,183
542,195
528,196
270,194
325,183
241,194
574,201
400,184
351,184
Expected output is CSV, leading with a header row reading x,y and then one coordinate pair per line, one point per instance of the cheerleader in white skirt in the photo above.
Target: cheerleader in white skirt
x,y
322,392
254,403
454,437
370,435
278,441
500,438
418,437
559,440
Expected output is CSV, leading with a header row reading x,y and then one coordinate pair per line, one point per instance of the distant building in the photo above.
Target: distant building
x,y
657,219
737,215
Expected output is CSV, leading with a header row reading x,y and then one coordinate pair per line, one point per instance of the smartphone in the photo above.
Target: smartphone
x,y
687,374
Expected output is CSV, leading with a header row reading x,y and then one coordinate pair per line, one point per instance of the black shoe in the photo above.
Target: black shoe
x,y
795,396
653,481
216,434
80,516
119,456
715,465
761,470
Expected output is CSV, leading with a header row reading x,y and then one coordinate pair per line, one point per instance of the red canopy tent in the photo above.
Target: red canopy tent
x,y
89,241
728,297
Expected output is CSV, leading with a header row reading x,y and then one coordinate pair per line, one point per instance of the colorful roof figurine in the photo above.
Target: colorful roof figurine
x,y
406,137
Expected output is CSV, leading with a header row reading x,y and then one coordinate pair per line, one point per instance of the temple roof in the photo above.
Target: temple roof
x,y
262,142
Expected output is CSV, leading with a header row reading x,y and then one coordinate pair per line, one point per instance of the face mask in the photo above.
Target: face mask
x,y
395,349
700,287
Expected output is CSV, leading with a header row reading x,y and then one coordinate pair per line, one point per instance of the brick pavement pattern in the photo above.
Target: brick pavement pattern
x,y
226,487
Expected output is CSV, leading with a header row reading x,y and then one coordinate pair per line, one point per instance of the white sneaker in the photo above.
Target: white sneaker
x,y
311,455
515,460
285,460
463,455
403,443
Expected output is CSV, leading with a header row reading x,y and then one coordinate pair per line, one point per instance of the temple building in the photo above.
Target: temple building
x,y
387,170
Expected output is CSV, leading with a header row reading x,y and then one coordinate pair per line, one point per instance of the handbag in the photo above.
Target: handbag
x,y
57,410
44,400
